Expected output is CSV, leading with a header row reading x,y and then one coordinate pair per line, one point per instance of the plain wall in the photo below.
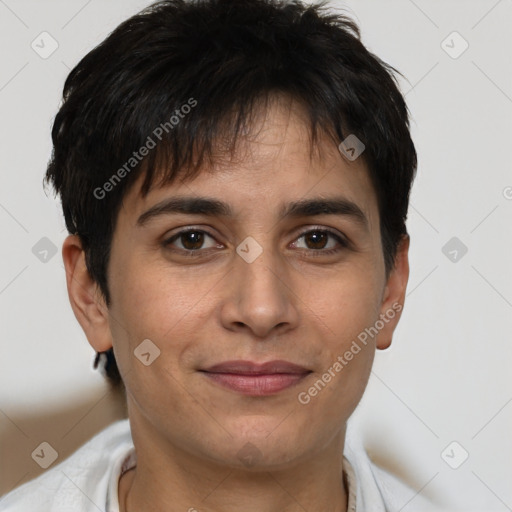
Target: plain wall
x,y
446,376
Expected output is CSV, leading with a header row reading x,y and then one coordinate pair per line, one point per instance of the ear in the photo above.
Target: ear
x,y
394,294
85,297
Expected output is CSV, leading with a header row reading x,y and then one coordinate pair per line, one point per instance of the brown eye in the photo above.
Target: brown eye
x,y
192,240
317,240
189,241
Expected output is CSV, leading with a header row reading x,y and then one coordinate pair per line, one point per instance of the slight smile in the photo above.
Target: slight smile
x,y
256,379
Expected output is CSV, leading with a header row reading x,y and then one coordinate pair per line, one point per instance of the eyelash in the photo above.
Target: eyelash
x,y
317,252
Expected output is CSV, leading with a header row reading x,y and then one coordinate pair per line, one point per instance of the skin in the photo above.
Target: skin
x,y
287,304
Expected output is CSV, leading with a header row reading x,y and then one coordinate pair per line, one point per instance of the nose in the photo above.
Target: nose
x,y
260,296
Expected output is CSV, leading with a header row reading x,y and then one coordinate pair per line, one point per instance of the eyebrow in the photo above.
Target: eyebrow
x,y
215,208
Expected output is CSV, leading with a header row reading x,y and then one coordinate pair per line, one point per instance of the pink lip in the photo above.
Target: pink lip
x,y
255,379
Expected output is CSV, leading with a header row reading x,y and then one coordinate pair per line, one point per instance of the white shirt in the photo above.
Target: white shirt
x,y
87,481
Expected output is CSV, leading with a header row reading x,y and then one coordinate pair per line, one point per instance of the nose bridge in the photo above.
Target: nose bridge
x,y
262,298
260,274
258,267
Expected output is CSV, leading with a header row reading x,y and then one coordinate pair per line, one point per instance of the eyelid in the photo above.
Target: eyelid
x,y
175,236
342,240
324,229
343,243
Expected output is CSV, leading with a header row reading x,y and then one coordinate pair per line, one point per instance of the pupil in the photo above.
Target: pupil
x,y
318,238
195,238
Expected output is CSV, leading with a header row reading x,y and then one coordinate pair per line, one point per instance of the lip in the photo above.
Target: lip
x,y
256,379
242,367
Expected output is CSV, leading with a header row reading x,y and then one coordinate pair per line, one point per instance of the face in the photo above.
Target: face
x,y
258,285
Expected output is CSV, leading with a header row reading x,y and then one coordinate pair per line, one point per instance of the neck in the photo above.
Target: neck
x,y
169,478
270,492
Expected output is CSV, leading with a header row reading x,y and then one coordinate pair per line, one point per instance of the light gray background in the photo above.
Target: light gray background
x,y
446,376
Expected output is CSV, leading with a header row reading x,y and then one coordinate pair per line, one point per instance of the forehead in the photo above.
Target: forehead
x,y
273,164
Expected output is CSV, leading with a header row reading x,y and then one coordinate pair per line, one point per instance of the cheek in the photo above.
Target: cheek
x,y
156,304
159,310
342,312
346,303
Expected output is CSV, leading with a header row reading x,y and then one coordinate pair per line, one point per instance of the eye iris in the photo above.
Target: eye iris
x,y
318,238
193,240
196,239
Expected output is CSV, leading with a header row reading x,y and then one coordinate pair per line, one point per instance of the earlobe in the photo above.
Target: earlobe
x,y
83,292
394,295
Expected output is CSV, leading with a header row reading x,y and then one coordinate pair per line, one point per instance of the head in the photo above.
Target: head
x,y
245,103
